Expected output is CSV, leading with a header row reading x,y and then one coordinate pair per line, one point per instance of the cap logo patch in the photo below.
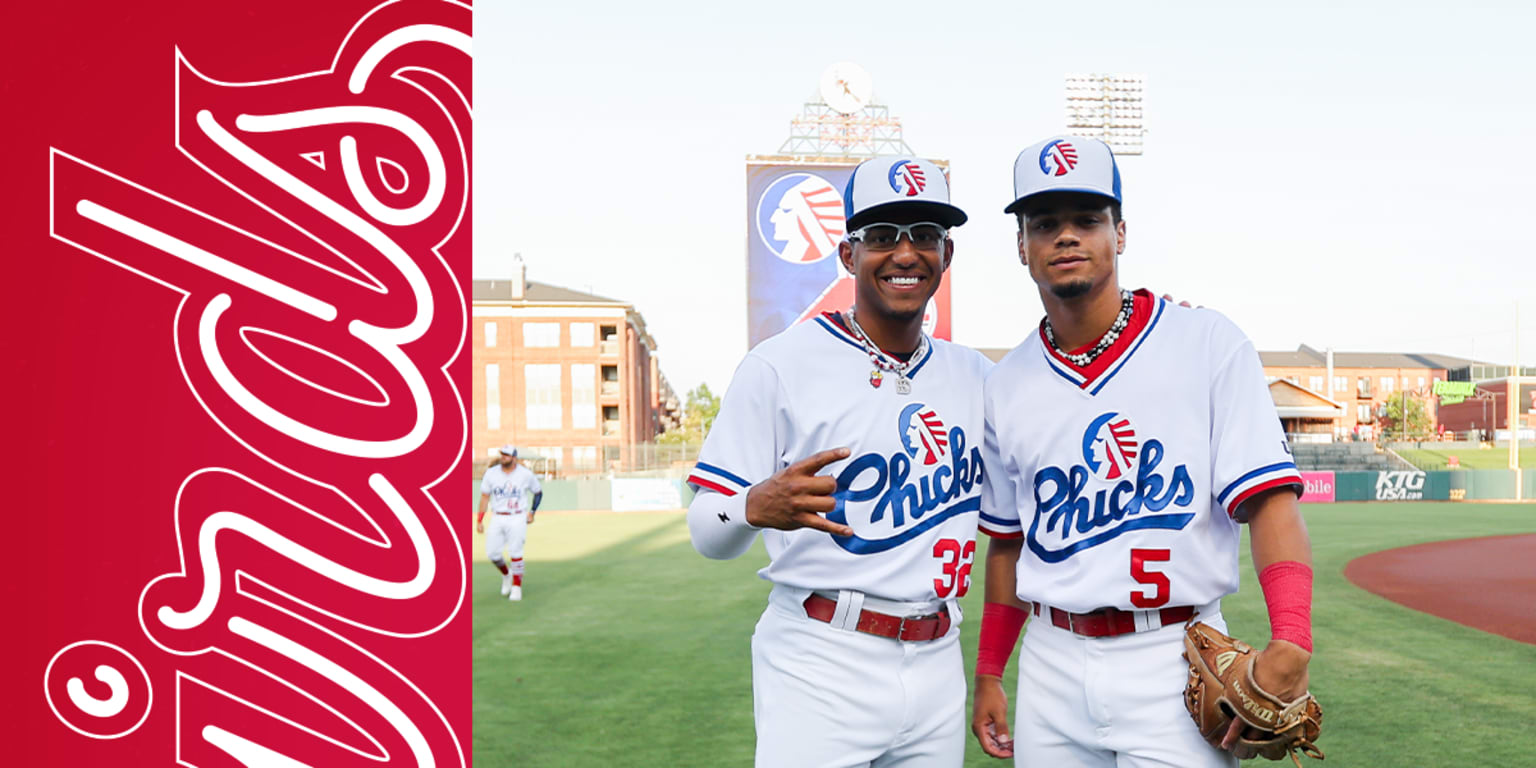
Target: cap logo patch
x,y
1057,158
907,178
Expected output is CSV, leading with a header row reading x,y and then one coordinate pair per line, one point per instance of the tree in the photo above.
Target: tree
x,y
698,416
1392,417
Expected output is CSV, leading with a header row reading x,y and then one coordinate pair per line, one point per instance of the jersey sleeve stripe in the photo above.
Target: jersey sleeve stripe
x,y
1000,534
999,522
1279,482
1238,483
713,486
722,473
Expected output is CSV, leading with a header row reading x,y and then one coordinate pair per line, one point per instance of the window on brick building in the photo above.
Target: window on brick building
x,y
492,396
1363,386
1315,383
541,386
490,334
583,334
583,396
541,334
1386,384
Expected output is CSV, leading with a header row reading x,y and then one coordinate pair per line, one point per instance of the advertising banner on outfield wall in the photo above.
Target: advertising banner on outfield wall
x,y
238,243
794,223
1319,487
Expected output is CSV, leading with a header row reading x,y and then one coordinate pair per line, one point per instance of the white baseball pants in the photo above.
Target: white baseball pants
x,y
1111,702
825,697
505,532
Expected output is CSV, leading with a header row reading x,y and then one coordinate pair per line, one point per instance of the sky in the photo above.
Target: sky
x,y
1346,175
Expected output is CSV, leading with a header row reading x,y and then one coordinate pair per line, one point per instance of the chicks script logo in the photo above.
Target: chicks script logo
x,y
1057,158
1117,488
907,178
890,498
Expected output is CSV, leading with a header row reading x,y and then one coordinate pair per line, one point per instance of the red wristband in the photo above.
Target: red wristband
x,y
1288,595
1000,625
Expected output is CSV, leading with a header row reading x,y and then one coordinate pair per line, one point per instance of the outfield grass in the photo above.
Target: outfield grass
x,y
1430,459
630,649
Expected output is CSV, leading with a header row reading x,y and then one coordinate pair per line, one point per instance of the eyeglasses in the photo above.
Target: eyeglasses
x,y
925,235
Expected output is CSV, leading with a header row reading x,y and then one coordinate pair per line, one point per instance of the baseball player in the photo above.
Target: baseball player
x,y
1125,442
851,442
505,490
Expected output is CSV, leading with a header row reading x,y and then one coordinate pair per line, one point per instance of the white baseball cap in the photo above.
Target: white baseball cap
x,y
509,450
882,183
1065,164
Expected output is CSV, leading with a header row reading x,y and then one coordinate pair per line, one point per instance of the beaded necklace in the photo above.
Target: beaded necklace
x,y
883,361
1110,336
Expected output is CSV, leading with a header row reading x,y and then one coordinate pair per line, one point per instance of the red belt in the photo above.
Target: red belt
x,y
1110,622
910,628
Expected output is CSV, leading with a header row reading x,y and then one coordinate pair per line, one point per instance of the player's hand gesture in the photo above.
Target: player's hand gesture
x,y
797,497
989,717
480,527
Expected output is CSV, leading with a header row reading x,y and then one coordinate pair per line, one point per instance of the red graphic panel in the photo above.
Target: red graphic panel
x,y
238,243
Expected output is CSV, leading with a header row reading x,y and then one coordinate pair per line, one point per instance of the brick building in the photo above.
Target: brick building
x,y
1362,382
570,378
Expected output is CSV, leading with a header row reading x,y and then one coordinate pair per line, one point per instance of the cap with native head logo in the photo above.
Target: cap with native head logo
x,y
884,184
1065,164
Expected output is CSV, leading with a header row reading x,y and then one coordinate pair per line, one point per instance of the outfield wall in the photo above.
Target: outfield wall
x,y
643,494
1453,485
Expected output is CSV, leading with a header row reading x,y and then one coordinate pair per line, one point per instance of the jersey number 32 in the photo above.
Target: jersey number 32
x,y
955,562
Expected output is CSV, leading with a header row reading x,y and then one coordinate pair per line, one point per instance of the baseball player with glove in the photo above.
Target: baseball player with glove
x,y
1125,443
512,493
851,441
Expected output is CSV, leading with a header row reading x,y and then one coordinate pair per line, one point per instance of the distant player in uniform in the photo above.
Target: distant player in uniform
x,y
1126,440
852,442
512,494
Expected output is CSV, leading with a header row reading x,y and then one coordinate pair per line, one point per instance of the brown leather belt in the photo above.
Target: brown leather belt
x,y
1111,622
909,628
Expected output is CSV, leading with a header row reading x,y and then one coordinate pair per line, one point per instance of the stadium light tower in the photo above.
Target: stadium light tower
x,y
1107,107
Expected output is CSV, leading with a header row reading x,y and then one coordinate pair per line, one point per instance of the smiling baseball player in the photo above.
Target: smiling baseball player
x,y
1125,442
512,494
851,442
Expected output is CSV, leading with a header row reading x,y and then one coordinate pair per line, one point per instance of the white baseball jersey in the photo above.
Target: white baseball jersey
x,y
910,489
1122,478
510,491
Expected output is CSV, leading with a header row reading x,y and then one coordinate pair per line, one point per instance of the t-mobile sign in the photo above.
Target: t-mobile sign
x,y
1319,487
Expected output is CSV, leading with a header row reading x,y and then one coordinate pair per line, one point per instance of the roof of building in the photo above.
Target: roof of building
x,y
501,290
1307,357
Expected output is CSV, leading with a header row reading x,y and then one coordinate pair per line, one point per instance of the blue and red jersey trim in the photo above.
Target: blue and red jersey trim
x,y
1146,311
717,479
1278,475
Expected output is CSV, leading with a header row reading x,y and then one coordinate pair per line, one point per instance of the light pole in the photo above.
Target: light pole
x,y
1107,107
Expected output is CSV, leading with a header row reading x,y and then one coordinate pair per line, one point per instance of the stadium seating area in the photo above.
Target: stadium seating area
x,y
1345,457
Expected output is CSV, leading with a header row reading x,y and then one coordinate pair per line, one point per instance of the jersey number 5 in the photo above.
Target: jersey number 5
x,y
956,560
1139,560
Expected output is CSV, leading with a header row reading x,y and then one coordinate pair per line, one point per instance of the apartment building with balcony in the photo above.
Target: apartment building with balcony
x,y
571,378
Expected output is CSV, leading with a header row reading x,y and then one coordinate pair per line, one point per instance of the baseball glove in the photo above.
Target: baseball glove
x,y
1221,687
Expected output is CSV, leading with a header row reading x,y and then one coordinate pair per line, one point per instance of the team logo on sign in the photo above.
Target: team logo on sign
x,y
800,218
1057,158
1110,447
907,178
923,433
